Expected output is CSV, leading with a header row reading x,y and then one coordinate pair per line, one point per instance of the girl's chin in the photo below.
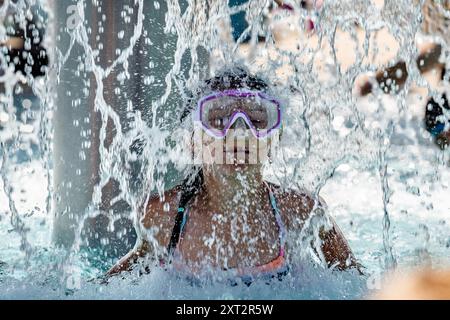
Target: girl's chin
x,y
235,167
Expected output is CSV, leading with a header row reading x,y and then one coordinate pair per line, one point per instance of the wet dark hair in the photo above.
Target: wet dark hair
x,y
237,78
229,79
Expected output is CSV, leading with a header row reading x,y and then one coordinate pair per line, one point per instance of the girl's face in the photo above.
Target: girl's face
x,y
234,128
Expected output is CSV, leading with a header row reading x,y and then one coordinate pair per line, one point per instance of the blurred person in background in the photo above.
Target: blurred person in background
x,y
240,26
436,23
418,285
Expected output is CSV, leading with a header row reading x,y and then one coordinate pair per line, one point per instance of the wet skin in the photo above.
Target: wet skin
x,y
295,208
231,223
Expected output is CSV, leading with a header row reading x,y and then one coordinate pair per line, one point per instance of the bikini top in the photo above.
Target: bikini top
x,y
278,267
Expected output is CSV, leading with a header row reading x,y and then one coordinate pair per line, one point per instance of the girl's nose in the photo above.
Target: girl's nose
x,y
240,124
239,129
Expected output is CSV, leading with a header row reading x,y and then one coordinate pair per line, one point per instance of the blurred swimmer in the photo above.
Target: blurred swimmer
x,y
419,285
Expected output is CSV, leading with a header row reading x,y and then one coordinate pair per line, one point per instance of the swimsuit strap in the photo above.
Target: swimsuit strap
x,y
180,221
277,214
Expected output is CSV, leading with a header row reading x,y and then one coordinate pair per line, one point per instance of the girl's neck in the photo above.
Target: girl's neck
x,y
234,190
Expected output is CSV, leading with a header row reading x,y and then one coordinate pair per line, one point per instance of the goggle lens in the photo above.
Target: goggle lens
x,y
218,112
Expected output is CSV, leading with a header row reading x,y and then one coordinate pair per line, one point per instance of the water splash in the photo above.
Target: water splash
x,y
131,94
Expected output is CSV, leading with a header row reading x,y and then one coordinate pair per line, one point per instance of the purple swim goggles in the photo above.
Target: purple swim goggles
x,y
218,112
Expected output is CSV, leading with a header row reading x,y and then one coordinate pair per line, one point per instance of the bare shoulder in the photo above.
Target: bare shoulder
x,y
160,214
295,205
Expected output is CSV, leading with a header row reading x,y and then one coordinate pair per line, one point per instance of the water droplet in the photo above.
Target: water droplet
x,y
166,207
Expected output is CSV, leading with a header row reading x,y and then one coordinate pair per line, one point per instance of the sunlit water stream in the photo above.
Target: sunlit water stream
x,y
130,66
